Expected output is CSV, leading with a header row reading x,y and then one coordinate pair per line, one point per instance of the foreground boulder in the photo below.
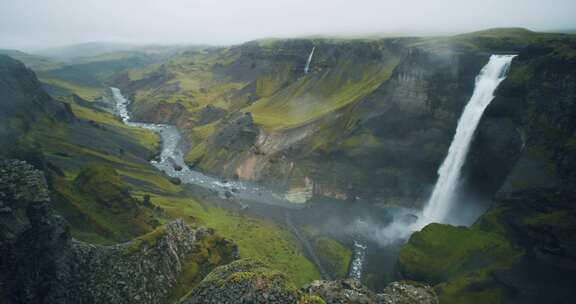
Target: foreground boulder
x,y
247,281
352,291
244,281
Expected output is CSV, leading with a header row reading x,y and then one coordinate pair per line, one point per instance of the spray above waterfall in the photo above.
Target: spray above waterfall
x,y
307,66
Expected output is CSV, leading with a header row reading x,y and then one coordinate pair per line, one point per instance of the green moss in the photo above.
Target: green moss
x,y
493,221
471,290
334,255
196,153
100,213
312,97
460,261
308,299
147,240
257,239
149,139
440,252
210,252
204,131
86,92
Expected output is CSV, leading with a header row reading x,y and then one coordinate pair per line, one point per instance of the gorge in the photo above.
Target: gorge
x,y
297,170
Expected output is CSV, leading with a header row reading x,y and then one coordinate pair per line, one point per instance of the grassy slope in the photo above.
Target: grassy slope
x,y
463,269
256,238
334,255
313,96
192,74
87,92
87,76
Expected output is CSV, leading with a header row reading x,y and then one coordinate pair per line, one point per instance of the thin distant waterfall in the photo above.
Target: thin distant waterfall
x,y
442,198
307,67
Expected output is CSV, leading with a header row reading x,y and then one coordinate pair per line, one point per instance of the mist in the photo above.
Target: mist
x,y
30,24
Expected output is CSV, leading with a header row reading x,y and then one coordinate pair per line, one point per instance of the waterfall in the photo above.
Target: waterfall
x,y
491,75
307,67
356,266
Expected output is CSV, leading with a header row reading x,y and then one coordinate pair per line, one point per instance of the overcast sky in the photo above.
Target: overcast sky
x,y
42,23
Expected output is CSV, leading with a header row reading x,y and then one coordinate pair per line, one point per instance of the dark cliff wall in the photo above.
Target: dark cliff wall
x,y
522,250
41,263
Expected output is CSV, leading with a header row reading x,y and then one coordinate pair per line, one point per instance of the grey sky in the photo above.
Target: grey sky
x,y
43,23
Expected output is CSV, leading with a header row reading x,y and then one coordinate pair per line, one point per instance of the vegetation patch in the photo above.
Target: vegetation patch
x,y
258,239
460,261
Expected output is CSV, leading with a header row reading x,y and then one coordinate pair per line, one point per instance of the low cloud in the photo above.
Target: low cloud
x,y
35,24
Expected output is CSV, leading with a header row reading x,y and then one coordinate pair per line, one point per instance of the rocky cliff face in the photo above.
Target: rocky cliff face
x,y
322,148
371,119
522,249
41,263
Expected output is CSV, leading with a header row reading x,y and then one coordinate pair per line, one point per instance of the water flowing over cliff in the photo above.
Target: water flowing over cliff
x,y
442,197
307,67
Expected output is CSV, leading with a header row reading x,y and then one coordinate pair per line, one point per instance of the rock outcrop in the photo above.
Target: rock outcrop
x,y
247,281
351,291
41,263
243,281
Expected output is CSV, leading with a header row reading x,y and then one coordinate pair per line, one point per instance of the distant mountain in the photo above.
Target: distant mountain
x,y
23,101
94,49
35,62
83,50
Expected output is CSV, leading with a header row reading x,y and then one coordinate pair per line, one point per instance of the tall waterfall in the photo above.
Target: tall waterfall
x,y
307,67
444,192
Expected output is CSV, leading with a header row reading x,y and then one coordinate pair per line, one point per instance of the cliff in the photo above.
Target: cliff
x,y
522,249
41,263
371,120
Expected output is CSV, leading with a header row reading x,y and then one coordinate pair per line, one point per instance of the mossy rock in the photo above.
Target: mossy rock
x,y
307,299
244,281
335,256
440,252
147,240
210,252
459,261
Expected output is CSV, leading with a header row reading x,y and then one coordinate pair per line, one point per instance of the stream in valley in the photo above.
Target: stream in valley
x,y
246,194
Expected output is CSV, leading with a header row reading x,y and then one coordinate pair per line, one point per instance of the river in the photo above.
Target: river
x,y
171,162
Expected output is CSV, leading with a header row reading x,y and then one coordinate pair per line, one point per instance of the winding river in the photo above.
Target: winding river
x,y
171,162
